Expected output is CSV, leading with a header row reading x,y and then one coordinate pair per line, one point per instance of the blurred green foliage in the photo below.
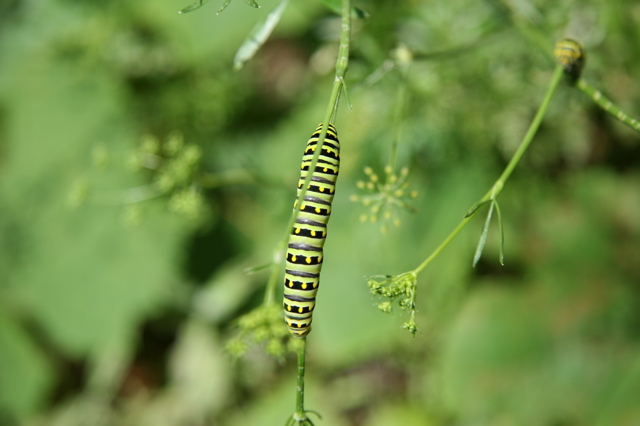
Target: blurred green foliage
x,y
140,175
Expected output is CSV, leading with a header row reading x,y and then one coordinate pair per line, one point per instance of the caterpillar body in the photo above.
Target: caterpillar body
x,y
304,252
570,54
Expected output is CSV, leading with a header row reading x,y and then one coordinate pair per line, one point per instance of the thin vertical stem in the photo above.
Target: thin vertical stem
x,y
342,64
397,121
302,351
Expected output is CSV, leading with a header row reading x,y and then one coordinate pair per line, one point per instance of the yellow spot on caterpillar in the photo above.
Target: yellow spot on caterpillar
x,y
324,234
304,206
294,258
308,260
313,233
297,230
317,209
315,285
324,170
303,286
321,189
300,310
319,259
331,190
288,308
290,284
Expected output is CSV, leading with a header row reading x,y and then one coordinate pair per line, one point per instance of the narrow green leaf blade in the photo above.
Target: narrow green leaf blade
x,y
224,6
255,269
475,208
501,229
258,36
252,3
483,236
194,6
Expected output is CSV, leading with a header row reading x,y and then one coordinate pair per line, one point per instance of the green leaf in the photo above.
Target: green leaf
x,y
258,35
26,373
251,3
475,208
196,5
501,228
224,6
483,236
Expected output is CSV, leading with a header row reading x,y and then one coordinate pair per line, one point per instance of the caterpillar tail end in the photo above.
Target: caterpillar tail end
x,y
571,55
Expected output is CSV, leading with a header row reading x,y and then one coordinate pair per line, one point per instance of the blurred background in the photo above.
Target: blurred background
x,y
140,176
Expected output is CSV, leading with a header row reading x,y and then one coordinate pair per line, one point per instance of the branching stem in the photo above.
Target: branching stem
x,y
497,187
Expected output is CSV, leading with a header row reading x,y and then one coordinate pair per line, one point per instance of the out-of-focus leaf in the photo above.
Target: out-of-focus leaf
x,y
199,370
252,3
258,35
223,294
25,374
88,279
620,406
498,346
196,5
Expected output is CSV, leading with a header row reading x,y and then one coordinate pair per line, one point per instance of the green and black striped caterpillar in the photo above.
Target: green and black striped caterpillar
x,y
570,54
304,252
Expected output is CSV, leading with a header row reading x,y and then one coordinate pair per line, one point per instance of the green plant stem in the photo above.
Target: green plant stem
x,y
300,413
401,100
499,184
342,64
607,105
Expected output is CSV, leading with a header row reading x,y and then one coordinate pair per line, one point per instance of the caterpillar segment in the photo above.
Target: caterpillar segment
x,y
305,248
571,55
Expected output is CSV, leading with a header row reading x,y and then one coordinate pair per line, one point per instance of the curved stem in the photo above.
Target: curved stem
x,y
498,185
